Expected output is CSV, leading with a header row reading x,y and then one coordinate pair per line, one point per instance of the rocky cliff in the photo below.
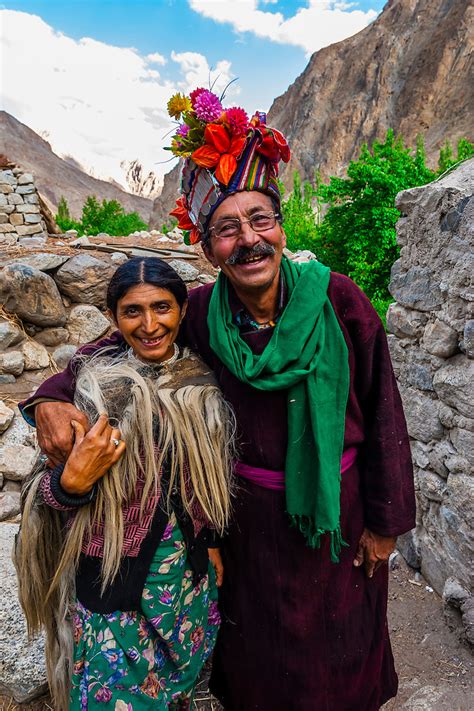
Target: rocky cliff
x,y
410,70
56,177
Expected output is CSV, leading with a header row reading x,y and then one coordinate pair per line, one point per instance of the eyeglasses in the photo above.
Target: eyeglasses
x,y
231,227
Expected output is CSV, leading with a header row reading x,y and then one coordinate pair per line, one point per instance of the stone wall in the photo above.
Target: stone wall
x,y
20,214
431,329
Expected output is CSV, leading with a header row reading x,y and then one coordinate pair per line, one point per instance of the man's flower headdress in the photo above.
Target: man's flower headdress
x,y
224,152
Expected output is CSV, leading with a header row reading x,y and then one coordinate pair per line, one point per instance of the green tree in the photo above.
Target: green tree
x,y
63,218
464,150
357,236
299,216
110,217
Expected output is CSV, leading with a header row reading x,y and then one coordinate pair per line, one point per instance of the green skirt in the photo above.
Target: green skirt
x,y
134,661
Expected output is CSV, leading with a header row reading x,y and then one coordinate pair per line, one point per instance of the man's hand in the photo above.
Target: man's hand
x,y
373,551
216,560
54,430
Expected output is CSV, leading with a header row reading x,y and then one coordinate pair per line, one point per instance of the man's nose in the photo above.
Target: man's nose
x,y
248,236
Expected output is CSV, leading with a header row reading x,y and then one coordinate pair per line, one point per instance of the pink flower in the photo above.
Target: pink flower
x,y
237,120
103,694
207,106
194,95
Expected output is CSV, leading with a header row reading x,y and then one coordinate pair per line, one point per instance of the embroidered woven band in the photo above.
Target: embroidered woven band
x,y
204,193
275,480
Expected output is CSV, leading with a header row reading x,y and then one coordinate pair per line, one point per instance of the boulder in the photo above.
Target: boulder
x,y
440,340
16,461
44,261
32,295
52,336
35,354
404,322
86,323
185,270
12,362
9,509
417,288
454,385
10,334
422,415
6,416
63,355
84,279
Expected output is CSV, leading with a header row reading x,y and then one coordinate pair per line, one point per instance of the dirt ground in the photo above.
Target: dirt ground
x,y
435,669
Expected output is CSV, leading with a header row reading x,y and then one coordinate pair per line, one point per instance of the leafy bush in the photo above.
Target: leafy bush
x,y
464,150
300,220
108,216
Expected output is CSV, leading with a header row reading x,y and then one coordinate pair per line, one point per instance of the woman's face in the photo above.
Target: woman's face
x,y
149,318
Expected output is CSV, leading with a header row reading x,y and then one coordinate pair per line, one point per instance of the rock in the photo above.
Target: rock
x,y
454,385
71,233
404,322
416,289
422,417
32,295
463,440
27,230
206,279
32,219
7,176
9,509
86,323
19,433
119,258
26,207
432,486
408,547
16,461
440,339
15,199
10,485
35,354
25,179
186,271
7,379
63,355
52,336
437,457
419,376
454,593
38,241
419,453
23,665
15,219
31,199
43,261
10,334
12,362
6,416
7,227
303,256
25,189
467,611
468,339
84,279
80,241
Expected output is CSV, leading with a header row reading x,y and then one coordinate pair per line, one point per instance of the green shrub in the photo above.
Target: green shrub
x,y
108,216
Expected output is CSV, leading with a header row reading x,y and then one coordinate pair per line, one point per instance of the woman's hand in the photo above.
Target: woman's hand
x,y
54,430
216,560
91,457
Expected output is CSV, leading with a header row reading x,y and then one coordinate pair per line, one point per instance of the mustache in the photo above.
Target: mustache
x,y
258,250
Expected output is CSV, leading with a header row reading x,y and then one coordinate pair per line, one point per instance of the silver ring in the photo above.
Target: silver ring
x,y
115,441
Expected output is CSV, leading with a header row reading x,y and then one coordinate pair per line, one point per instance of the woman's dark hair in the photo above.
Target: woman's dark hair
x,y
145,270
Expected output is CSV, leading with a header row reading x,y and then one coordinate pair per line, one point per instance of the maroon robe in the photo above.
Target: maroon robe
x,y
301,633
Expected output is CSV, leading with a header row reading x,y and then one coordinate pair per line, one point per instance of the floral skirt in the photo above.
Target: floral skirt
x,y
132,661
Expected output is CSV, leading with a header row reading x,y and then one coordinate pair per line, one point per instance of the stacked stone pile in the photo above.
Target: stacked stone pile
x,y
432,347
20,215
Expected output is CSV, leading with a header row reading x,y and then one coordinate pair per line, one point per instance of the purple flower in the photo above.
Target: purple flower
x,y
214,617
207,106
183,129
103,694
165,597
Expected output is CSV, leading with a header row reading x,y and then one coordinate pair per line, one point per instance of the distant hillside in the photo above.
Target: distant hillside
x,y
410,70
55,177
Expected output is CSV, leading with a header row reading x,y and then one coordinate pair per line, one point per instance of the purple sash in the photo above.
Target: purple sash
x,y
270,479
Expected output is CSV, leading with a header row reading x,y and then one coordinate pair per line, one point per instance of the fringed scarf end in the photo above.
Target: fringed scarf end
x,y
313,535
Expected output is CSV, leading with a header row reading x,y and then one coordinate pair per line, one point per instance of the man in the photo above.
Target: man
x,y
324,472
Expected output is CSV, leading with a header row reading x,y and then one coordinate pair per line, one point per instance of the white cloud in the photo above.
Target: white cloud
x,y
317,25
98,103
156,58
197,72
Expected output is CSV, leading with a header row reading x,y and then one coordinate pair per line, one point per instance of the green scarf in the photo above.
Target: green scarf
x,y
307,355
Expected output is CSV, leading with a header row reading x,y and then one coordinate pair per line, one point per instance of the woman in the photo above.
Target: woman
x,y
117,538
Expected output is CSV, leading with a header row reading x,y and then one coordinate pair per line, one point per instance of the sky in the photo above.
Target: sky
x,y
93,76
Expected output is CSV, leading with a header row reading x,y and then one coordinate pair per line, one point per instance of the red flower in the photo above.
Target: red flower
x,y
272,143
220,151
182,215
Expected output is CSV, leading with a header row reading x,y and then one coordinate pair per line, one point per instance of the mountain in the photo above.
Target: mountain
x,y
410,70
55,176
139,182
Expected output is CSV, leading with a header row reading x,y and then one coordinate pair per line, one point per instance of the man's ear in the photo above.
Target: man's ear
x,y
207,249
283,239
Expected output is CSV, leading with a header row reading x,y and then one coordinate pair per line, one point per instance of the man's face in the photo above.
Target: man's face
x,y
251,260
